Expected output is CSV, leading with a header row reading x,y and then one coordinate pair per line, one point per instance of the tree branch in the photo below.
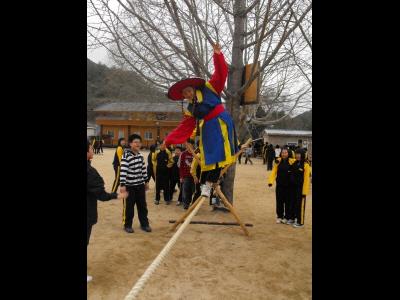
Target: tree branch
x,y
218,2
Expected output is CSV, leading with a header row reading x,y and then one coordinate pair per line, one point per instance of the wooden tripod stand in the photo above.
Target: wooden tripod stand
x,y
217,189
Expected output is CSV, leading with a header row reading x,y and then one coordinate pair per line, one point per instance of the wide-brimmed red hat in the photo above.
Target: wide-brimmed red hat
x,y
175,91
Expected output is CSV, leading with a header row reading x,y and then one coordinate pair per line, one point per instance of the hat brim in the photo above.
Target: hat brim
x,y
175,91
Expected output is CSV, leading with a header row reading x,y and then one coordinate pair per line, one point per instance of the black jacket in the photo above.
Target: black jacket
x,y
297,174
95,191
149,164
175,169
283,174
270,154
162,160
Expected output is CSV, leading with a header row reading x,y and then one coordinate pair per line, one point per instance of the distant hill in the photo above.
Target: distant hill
x,y
105,85
300,122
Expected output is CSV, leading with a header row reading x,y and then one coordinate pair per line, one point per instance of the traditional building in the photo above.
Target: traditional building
x,y
283,137
152,121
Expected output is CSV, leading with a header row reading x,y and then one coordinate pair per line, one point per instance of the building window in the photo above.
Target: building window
x,y
148,135
161,116
120,133
110,133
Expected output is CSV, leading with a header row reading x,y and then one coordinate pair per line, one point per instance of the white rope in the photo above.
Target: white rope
x,y
150,270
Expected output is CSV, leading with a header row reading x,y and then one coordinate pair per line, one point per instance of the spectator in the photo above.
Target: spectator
x,y
174,175
284,201
117,163
277,151
162,161
270,156
95,191
300,182
134,181
186,178
150,171
248,153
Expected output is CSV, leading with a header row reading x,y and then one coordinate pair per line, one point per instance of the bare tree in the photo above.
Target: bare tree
x,y
166,40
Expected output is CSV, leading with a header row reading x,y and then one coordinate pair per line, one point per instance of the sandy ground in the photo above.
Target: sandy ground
x,y
207,262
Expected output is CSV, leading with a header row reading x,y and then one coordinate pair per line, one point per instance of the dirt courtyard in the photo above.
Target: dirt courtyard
x,y
207,262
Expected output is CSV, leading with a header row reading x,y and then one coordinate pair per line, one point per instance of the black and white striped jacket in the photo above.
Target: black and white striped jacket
x,y
133,169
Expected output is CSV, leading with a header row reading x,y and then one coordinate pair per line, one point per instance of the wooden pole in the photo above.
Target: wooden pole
x,y
236,156
190,148
232,210
182,219
215,223
217,189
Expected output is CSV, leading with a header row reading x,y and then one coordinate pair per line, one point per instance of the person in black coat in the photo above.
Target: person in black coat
x,y
95,191
270,156
174,175
150,172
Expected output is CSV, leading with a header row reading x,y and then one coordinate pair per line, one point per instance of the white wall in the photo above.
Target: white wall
x,y
90,132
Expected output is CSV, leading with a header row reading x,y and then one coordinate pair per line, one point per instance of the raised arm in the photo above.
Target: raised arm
x,y
218,79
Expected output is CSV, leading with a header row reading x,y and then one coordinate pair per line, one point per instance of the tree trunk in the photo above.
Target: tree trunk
x,y
234,84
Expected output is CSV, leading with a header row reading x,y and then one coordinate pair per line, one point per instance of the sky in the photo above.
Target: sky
x,y
99,55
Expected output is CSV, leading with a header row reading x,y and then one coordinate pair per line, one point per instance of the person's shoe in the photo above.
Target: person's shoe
x,y
156,202
284,221
129,229
89,278
206,190
278,221
178,203
146,228
185,206
297,225
290,222
167,202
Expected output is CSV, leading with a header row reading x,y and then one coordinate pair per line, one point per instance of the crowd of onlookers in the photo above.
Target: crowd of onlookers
x,y
177,170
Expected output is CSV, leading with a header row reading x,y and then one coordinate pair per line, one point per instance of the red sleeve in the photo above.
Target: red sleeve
x,y
181,133
220,73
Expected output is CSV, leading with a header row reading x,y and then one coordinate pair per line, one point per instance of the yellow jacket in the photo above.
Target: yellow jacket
x,y
307,170
154,160
120,151
306,183
193,167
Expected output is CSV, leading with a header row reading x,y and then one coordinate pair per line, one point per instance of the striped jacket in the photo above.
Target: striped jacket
x,y
133,169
